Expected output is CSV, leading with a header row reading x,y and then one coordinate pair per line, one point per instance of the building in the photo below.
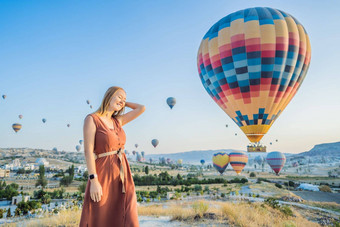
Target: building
x,y
4,173
19,198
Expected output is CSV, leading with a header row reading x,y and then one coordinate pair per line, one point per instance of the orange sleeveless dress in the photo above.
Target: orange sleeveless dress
x,y
115,208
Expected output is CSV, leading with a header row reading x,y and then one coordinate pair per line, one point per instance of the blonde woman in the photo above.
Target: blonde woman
x,y
110,197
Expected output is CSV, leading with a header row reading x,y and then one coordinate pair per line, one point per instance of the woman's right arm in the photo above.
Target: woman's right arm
x,y
96,191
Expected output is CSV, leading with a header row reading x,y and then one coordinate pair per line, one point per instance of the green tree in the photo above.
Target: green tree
x,y
179,177
41,179
9,214
146,170
1,213
82,187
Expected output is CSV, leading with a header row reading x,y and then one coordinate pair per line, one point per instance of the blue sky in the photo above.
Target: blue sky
x,y
57,54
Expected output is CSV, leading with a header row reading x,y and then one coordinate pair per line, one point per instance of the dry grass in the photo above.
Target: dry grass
x,y
270,189
243,213
64,218
325,205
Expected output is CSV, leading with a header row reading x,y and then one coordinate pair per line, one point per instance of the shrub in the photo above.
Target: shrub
x,y
278,185
252,174
325,188
272,202
200,208
286,210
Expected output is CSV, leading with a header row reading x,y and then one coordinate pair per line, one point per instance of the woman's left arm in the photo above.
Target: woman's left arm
x,y
137,110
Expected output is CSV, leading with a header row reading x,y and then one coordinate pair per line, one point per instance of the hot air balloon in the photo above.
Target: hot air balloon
x,y
252,63
276,160
81,142
126,152
226,126
91,106
16,127
142,153
271,143
4,96
133,152
68,125
55,149
154,142
88,102
20,116
168,160
171,101
202,161
235,134
179,161
162,160
277,140
139,157
259,160
238,160
136,145
78,147
220,161
44,120
150,159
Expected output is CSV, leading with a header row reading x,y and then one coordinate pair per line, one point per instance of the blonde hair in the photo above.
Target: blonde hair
x,y
106,102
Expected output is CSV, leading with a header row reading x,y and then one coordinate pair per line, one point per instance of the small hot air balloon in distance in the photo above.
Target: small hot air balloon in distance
x,y
251,63
126,152
91,106
171,101
235,134
271,143
238,160
220,161
226,126
139,157
44,120
55,149
168,160
133,152
136,145
259,160
162,160
277,140
179,161
88,102
81,142
78,147
4,96
16,127
150,159
276,160
202,162
20,116
154,142
68,125
142,153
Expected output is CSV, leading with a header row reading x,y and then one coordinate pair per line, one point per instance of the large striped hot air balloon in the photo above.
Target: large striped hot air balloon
x,y
16,127
276,160
171,101
252,62
238,160
154,142
220,161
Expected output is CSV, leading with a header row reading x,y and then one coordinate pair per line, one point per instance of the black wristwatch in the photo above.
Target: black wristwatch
x,y
92,176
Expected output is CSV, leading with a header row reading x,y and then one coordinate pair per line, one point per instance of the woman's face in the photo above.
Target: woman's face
x,y
118,100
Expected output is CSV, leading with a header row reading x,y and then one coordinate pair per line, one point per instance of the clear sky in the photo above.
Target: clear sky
x,y
54,55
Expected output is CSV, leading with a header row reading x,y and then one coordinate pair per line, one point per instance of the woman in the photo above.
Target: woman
x,y
110,197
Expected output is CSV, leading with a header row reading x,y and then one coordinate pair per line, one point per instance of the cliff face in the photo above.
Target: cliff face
x,y
325,149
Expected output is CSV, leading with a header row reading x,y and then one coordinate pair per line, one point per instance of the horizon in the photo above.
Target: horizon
x,y
53,64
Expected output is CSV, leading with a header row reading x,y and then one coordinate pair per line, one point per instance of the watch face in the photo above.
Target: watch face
x,y
91,176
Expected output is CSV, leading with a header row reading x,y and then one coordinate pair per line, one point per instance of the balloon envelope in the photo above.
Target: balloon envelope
x,y
136,145
78,147
54,149
139,157
220,161
88,101
259,159
142,153
202,161
171,101
4,96
81,142
43,120
16,127
179,161
68,125
154,142
276,160
133,152
252,62
20,116
238,160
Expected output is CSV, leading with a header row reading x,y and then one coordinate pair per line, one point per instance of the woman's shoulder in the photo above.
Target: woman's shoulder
x,y
91,117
